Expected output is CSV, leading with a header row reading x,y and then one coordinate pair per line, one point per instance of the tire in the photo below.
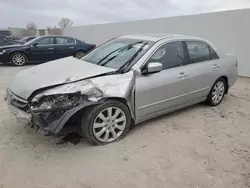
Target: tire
x,y
98,131
18,59
79,54
217,92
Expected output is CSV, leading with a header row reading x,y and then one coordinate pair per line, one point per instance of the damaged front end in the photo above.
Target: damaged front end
x,y
52,109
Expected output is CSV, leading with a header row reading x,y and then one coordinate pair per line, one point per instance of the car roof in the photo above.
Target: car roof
x,y
43,36
158,36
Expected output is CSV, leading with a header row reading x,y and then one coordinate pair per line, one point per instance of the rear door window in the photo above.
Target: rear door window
x,y
198,51
65,40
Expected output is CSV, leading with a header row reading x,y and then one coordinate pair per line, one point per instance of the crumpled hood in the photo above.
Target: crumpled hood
x,y
53,73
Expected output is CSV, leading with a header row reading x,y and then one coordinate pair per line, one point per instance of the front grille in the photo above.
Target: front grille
x,y
17,101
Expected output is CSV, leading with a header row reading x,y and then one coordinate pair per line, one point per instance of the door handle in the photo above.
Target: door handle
x,y
71,47
182,75
215,66
50,48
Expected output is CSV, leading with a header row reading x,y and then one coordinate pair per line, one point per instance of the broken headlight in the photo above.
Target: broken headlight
x,y
55,102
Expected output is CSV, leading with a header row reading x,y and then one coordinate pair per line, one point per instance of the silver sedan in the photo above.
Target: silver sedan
x,y
123,82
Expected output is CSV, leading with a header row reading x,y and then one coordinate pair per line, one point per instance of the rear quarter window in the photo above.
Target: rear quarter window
x,y
213,53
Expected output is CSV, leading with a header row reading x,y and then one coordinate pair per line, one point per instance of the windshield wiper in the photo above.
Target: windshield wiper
x,y
117,50
132,58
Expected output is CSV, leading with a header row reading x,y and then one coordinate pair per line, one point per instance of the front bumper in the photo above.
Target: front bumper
x,y
41,120
20,115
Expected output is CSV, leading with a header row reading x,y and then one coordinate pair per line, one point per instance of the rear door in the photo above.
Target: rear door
x,y
203,68
43,49
65,46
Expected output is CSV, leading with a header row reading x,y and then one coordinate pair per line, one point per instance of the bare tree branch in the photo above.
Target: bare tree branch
x,y
65,22
31,26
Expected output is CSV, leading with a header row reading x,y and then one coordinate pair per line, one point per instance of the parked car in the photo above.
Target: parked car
x,y
4,41
27,38
6,33
123,82
43,49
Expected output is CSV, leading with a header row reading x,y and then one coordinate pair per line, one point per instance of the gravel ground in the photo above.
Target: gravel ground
x,y
198,147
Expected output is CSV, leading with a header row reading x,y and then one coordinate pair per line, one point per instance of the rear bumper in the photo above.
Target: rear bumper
x,y
232,77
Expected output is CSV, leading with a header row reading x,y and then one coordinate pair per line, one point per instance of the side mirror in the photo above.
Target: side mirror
x,y
152,67
35,44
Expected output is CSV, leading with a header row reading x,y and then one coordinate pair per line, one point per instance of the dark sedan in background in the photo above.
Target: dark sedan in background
x,y
7,41
44,48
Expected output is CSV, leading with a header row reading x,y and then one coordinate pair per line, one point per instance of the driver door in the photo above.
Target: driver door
x,y
160,92
43,50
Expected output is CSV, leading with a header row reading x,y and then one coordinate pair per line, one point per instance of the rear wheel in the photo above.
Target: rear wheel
x,y
106,123
18,59
79,54
217,92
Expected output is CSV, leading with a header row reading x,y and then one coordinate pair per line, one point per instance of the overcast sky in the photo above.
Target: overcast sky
x,y
17,13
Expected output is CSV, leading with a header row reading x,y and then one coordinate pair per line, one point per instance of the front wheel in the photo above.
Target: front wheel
x,y
18,59
106,123
217,92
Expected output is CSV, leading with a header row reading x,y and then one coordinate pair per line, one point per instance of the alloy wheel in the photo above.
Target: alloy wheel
x,y
79,55
18,59
218,92
109,124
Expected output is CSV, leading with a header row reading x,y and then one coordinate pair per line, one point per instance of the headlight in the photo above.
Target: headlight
x,y
55,102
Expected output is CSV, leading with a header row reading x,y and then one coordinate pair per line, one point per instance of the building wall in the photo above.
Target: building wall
x,y
229,30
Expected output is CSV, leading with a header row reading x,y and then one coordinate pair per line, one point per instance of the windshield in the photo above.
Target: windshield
x,y
117,52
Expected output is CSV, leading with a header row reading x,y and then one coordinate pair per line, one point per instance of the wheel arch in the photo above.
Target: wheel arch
x,y
80,50
126,103
19,51
226,79
82,108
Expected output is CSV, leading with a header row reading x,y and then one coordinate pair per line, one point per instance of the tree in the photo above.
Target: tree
x,y
65,22
31,26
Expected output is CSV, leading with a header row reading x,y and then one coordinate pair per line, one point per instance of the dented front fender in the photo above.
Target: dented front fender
x,y
96,90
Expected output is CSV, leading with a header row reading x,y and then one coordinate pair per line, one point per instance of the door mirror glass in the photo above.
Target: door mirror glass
x,y
153,67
